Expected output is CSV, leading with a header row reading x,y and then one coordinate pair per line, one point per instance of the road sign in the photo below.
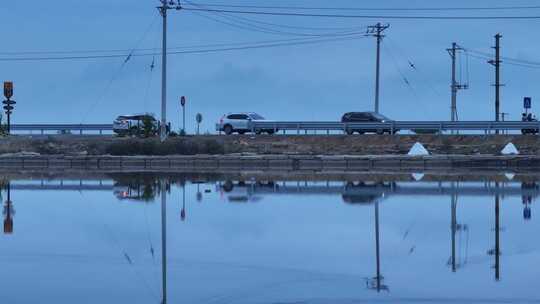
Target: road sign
x,y
8,108
8,89
198,117
527,102
9,102
183,101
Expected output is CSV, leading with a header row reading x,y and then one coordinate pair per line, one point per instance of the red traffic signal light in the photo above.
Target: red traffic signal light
x,y
8,89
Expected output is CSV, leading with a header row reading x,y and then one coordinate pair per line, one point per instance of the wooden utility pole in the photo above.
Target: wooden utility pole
x,y
376,31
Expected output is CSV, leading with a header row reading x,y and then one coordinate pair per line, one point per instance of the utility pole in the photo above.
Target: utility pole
x,y
455,86
376,31
497,63
165,6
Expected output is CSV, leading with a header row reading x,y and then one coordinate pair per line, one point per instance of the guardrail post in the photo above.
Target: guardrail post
x,y
298,129
42,131
440,128
393,128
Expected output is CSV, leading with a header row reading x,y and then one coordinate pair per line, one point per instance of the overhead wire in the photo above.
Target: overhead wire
x,y
403,76
269,44
371,8
115,75
351,28
403,17
413,65
251,25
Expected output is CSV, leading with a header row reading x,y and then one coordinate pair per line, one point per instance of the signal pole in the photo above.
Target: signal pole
x,y
376,31
455,86
165,6
497,63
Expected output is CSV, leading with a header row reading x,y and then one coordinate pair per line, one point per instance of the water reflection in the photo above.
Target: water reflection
x,y
355,195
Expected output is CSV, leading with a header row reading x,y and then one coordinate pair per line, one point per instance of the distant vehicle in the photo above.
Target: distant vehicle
x,y
134,124
528,117
366,117
239,122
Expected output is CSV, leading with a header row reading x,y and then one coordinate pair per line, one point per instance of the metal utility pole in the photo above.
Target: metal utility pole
x,y
165,6
376,31
455,86
497,63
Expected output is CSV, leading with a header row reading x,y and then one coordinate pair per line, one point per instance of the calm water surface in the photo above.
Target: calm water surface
x,y
403,239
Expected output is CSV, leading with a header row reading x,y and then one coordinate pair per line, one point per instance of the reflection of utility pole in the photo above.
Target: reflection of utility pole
x,y
164,242
376,283
496,251
8,212
454,224
183,211
199,194
457,229
497,244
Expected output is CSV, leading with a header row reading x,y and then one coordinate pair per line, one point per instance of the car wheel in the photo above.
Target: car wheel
x,y
349,132
228,129
242,132
380,132
270,132
228,186
258,132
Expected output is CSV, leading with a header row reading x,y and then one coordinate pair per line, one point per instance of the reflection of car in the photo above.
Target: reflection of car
x,y
240,122
137,124
135,192
366,117
365,193
242,191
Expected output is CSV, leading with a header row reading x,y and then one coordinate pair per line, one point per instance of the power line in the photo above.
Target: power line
x,y
255,25
372,8
286,25
199,51
293,14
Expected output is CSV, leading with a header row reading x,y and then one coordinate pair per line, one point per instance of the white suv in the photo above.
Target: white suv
x,y
239,122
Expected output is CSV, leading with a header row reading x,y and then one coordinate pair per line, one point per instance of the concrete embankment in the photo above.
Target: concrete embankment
x,y
288,163
275,145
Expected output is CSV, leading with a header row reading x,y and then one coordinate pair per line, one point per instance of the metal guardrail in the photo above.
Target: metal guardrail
x,y
438,126
62,127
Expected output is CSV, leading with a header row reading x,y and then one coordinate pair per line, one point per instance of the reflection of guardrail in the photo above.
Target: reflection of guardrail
x,y
402,189
62,127
440,126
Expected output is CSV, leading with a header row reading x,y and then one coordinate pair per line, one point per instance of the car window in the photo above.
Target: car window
x,y
234,116
256,116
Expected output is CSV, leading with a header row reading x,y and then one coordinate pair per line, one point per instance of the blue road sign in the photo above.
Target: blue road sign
x,y
527,102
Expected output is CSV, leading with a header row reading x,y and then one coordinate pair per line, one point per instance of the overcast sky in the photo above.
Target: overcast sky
x,y
303,82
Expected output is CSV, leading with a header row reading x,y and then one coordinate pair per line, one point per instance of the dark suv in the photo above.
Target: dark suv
x,y
366,117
